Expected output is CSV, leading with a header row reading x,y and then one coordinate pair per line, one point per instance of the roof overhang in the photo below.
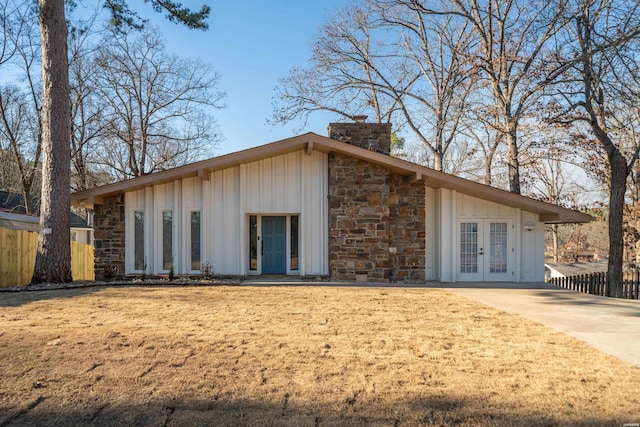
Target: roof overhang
x,y
310,142
19,221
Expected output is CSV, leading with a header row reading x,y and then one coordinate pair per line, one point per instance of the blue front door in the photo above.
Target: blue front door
x,y
274,247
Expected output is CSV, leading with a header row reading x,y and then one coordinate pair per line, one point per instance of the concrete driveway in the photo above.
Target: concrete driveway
x,y
608,324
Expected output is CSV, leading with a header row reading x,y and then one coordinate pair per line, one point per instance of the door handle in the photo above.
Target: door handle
x,y
481,252
262,247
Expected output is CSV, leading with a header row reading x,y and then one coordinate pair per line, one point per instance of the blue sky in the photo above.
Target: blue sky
x,y
251,44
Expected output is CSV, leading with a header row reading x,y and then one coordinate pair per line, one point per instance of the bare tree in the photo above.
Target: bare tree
x,y
53,261
551,168
20,139
602,91
480,127
516,36
87,117
155,105
20,110
344,73
391,58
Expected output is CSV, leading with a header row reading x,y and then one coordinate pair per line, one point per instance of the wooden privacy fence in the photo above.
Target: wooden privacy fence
x,y
18,256
596,283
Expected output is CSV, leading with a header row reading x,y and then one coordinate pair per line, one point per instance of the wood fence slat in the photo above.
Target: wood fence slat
x,y
598,283
18,249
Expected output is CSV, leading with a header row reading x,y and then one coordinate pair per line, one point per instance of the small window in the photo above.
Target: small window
x,y
138,241
167,240
195,240
294,242
253,242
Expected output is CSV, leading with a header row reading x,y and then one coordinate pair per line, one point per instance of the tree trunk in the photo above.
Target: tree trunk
x,y
619,173
554,237
53,260
512,158
488,177
438,161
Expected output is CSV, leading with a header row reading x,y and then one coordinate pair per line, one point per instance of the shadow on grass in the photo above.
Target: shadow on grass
x,y
624,307
16,299
433,410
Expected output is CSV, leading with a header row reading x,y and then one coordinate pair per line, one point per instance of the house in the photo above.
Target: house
x,y
308,206
13,216
553,270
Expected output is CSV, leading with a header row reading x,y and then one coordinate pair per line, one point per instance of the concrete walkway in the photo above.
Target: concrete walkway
x,y
608,324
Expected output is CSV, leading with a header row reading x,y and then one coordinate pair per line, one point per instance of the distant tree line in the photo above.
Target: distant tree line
x,y
135,108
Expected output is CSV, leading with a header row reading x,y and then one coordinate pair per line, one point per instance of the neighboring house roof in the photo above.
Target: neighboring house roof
x,y
577,268
310,141
12,208
14,202
19,221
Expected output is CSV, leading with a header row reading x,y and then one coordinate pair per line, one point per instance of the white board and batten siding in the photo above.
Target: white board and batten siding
x,y
449,209
288,184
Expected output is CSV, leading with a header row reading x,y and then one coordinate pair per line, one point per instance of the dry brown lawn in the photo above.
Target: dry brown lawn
x,y
300,356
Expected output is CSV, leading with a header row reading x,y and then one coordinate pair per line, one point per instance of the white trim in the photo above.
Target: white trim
x,y
187,246
483,274
247,257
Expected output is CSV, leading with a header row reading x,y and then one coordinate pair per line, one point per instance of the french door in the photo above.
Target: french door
x,y
485,250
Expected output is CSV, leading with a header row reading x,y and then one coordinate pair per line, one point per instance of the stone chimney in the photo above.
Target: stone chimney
x,y
371,136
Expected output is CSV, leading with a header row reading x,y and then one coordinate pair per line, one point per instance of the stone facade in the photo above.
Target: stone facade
x,y
371,136
376,223
109,238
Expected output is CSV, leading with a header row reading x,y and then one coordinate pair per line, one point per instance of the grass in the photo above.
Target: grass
x,y
295,356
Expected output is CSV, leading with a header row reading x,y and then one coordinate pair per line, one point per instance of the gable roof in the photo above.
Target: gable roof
x,y
310,141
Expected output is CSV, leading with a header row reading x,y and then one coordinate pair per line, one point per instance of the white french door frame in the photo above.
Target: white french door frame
x,y
485,253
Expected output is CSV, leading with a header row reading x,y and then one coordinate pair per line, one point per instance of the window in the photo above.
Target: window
x,y
195,240
167,239
469,247
294,242
138,241
498,247
253,242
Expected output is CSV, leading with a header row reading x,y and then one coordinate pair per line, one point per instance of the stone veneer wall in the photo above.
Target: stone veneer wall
x,y
376,222
372,136
407,229
109,237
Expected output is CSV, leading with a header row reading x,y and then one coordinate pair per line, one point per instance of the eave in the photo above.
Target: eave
x,y
310,142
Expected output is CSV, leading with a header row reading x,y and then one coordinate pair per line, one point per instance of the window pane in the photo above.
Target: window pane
x,y
195,240
167,239
498,247
138,232
294,242
253,242
468,247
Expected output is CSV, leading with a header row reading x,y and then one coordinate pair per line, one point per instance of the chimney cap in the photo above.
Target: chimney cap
x,y
360,118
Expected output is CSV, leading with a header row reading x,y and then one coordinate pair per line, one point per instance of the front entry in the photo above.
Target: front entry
x,y
486,250
274,245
